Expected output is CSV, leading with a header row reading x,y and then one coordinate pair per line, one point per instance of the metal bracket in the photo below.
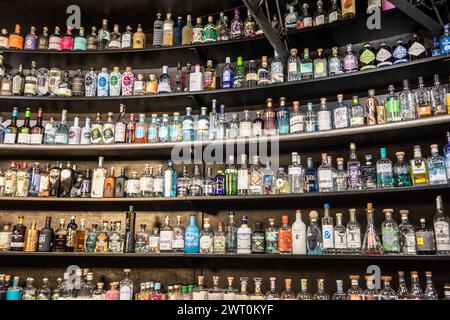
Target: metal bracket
x,y
266,27
418,15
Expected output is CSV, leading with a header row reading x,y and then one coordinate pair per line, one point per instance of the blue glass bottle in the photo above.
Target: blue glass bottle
x,y
191,236
314,235
447,156
152,132
435,48
177,32
310,119
103,83
188,126
170,181
400,52
283,117
310,176
35,178
14,292
175,128
219,184
444,41
227,74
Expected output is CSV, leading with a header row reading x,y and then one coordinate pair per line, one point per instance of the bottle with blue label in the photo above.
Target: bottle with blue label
x,y
400,52
435,48
310,176
170,181
447,156
444,41
175,129
103,83
191,236
227,74
283,117
153,129
140,134
163,132
188,126
14,292
31,40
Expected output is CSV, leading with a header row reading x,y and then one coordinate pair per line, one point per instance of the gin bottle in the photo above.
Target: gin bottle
x,y
271,235
444,40
341,114
230,292
222,28
339,294
276,69
306,66
257,130
243,177
341,178
402,176
310,177
239,75
158,31
55,40
115,38
296,120
419,168
320,17
92,39
415,293
164,85
215,293
355,292
325,176
407,235
237,28
314,244
390,234
104,36
385,177
321,294
90,83
255,179
291,19
168,31
196,185
298,235
227,74
335,13
296,175
393,106
367,57
98,179
371,293
430,292
164,129
285,236
441,229
231,235
328,231
169,183
340,236
417,48
245,126
423,100
356,113
335,63
304,294
387,293
222,125
400,52
206,238
233,132
438,94
425,239
210,31
372,244
126,287
231,177
126,38
350,60
192,234
219,239
354,170
244,234
62,133
407,102
436,167
310,119
272,294
197,31
258,240
263,72
294,66
320,65
166,236
384,55
208,183
353,232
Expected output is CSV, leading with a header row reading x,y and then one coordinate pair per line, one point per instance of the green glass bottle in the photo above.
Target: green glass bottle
x,y
231,177
239,73
402,176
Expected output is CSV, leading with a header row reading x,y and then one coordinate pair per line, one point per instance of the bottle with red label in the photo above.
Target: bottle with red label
x,y
285,237
127,82
15,39
67,40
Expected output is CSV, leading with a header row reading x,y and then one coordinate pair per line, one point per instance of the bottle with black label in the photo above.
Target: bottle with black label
x,y
71,231
78,84
367,57
60,237
120,184
46,237
130,221
18,235
86,185
55,179
66,181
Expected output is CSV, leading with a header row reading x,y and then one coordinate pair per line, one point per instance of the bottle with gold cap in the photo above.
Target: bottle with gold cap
x,y
314,235
372,243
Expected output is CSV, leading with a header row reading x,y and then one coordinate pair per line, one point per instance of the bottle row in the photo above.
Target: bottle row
x,y
65,182
320,236
408,105
167,32
83,287
55,82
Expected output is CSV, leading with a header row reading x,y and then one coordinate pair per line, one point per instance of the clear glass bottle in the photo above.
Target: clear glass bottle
x,y
355,292
272,294
310,119
335,63
244,234
438,95
339,294
206,238
255,178
325,176
407,235
372,244
419,168
402,176
321,294
230,292
231,235
243,293
288,293
341,114
350,60
294,66
415,293
277,69
430,292
166,236
340,236
215,292
357,115
407,102
385,177
441,223
341,179
387,293
353,232
320,65
304,293
314,235
390,233
296,120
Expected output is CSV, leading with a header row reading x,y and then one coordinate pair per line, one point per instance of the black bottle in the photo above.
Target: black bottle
x,y
85,190
367,57
55,179
66,181
258,239
400,52
71,232
77,181
46,237
130,222
384,55
369,173
120,184
417,48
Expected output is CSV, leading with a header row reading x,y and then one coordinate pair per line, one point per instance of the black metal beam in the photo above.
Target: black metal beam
x,y
266,27
418,15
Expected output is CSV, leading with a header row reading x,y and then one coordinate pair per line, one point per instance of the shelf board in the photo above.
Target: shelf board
x,y
175,260
431,127
213,204
355,83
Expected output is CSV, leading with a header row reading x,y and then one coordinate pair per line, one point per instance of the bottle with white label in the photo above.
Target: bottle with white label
x,y
85,136
441,229
126,287
353,232
200,292
297,118
166,236
324,116
115,82
340,236
298,234
244,237
98,179
407,234
243,176
120,128
196,79
327,231
75,132
170,181
206,238
103,83
24,136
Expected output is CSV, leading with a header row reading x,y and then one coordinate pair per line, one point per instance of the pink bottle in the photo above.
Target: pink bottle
x,y
127,82
113,293
67,40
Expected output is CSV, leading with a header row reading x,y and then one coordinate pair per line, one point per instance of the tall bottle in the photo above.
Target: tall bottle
x,y
298,234
372,243
441,229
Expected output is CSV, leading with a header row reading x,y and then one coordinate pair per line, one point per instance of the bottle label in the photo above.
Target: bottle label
x,y
390,239
409,243
442,234
341,117
257,129
206,244
126,292
146,184
244,242
4,42
354,174
66,43
54,43
418,169
367,57
384,168
245,129
340,240
416,49
158,186
132,186
325,178
293,67
285,241
165,240
119,132
108,133
324,120
80,43
425,241
383,55
15,41
140,132
350,62
306,68
400,54
319,20
219,244
24,138
307,22
296,123
333,16
354,238
243,180
126,40
327,237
